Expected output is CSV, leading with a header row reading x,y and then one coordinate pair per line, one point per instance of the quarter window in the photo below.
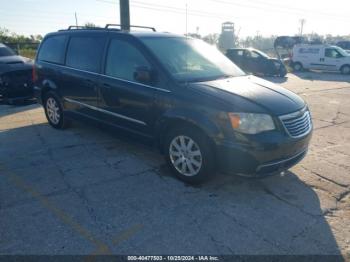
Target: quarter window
x,y
52,49
85,53
123,59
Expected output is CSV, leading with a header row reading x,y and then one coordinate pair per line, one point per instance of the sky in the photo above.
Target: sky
x,y
251,17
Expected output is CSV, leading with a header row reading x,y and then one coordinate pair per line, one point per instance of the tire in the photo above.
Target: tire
x,y
297,67
345,70
54,111
283,73
189,155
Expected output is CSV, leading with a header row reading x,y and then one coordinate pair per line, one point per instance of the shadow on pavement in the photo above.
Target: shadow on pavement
x,y
277,80
122,184
323,76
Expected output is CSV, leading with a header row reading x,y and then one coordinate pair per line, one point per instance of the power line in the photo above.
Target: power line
x,y
172,9
284,9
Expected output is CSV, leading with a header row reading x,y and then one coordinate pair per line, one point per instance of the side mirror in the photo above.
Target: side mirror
x,y
143,75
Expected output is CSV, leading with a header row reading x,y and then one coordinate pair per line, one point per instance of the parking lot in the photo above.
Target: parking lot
x,y
87,190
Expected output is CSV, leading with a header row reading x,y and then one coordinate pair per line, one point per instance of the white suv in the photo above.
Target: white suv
x,y
320,57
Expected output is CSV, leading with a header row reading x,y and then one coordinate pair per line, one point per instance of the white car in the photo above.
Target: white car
x,y
320,57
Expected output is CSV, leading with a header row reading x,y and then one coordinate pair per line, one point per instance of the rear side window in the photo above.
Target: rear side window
x,y
85,53
123,59
239,53
52,50
235,53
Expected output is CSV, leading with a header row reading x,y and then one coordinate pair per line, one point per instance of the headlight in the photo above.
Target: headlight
x,y
277,64
250,123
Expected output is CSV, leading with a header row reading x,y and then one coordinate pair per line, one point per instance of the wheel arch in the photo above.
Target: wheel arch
x,y
47,86
341,68
181,118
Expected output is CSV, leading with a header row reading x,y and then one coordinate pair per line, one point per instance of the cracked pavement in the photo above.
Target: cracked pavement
x,y
87,190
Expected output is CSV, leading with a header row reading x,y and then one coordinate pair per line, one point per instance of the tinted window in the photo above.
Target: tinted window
x,y
52,50
85,53
123,59
239,53
253,55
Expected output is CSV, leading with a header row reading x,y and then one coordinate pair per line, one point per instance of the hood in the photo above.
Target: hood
x,y
15,59
13,63
263,94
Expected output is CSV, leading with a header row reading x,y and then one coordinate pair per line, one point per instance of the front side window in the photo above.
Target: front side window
x,y
52,49
332,53
253,54
85,53
191,60
123,59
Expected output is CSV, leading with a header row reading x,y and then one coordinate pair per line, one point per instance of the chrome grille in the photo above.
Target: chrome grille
x,y
297,124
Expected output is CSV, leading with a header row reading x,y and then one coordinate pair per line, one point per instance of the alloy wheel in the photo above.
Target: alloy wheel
x,y
53,111
185,155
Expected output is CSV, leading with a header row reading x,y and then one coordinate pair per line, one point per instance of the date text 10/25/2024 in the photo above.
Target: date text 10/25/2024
x,y
173,258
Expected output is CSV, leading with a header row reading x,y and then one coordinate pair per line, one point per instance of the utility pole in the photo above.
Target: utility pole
x,y
302,23
124,7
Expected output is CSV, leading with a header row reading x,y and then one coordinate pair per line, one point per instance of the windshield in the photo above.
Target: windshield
x,y
5,51
191,60
342,51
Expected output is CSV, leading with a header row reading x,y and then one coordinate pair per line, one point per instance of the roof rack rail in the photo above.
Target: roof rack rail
x,y
82,27
134,26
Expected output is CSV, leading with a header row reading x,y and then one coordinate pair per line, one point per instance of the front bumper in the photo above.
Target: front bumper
x,y
16,85
265,154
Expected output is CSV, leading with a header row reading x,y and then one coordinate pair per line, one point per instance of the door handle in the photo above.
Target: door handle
x,y
90,83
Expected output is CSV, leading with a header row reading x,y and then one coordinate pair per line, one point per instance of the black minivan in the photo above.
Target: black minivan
x,y
204,113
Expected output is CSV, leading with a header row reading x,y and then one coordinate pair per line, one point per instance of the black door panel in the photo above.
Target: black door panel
x,y
129,103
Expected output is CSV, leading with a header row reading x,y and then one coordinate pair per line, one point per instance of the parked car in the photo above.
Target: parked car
x,y
15,76
344,45
254,61
320,57
203,112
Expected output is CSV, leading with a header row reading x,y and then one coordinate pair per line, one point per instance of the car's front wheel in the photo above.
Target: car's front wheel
x,y
189,155
54,112
345,70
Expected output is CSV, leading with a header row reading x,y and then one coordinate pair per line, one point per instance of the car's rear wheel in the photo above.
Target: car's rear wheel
x,y
297,67
189,155
54,112
345,70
